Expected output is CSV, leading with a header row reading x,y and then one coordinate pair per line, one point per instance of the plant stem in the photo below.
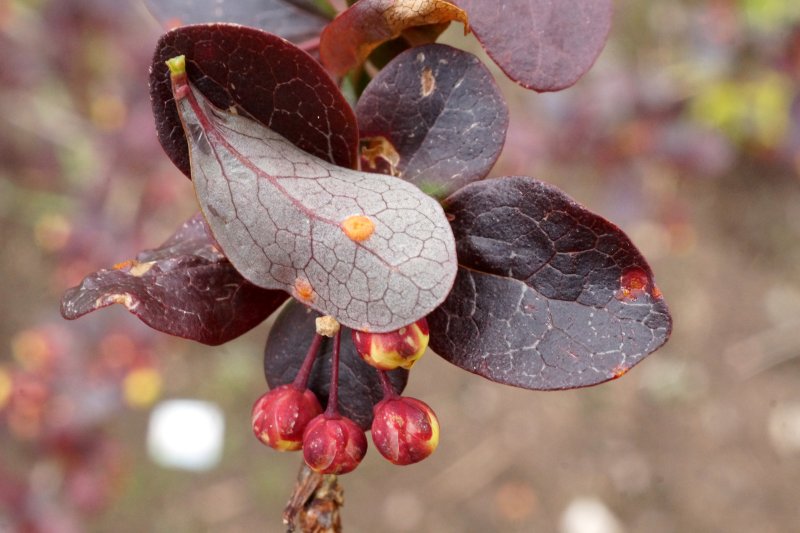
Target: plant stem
x,y
388,390
301,379
332,411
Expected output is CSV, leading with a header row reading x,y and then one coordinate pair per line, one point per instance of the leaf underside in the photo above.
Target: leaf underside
x,y
347,41
185,287
442,113
548,295
294,22
261,76
280,215
546,45
359,385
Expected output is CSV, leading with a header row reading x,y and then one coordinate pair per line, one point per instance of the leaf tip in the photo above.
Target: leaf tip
x,y
177,65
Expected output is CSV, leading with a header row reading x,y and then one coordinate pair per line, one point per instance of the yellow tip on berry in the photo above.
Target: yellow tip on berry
x,y
177,65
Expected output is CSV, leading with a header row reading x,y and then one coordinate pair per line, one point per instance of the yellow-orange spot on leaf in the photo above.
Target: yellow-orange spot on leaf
x,y
379,154
122,299
618,372
327,326
140,269
358,227
428,82
124,264
632,284
656,292
303,290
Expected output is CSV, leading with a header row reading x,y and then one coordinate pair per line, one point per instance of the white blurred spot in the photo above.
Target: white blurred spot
x,y
186,434
589,515
784,427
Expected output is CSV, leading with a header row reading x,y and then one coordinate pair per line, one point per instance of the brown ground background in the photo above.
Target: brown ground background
x,y
681,135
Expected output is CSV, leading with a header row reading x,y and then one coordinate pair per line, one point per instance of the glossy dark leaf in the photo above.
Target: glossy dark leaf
x,y
185,287
371,250
548,294
359,386
350,37
260,76
294,21
546,45
442,115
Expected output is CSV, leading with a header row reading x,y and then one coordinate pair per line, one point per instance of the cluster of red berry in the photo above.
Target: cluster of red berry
x,y
404,430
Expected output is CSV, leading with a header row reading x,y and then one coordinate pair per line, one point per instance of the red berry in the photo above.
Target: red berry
x,y
404,430
281,415
333,445
399,348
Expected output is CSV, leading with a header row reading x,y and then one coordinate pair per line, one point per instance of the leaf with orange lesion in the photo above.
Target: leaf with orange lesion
x,y
349,39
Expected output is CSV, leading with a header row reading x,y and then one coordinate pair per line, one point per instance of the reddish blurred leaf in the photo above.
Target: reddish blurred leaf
x,y
347,41
359,385
548,294
260,76
373,251
546,45
185,288
295,21
441,113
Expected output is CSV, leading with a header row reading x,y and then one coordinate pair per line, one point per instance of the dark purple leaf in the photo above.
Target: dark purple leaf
x,y
371,250
349,39
546,45
185,288
260,76
295,21
548,294
442,115
359,386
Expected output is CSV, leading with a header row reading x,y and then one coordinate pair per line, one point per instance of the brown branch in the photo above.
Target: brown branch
x,y
315,503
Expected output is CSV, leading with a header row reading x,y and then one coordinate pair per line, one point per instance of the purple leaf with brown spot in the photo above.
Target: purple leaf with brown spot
x,y
186,287
442,115
546,45
349,39
359,385
295,21
261,76
548,294
371,250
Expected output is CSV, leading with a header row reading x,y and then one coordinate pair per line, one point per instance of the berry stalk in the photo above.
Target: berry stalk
x,y
332,410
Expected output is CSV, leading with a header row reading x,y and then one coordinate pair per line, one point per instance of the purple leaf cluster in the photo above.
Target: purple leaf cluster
x,y
521,285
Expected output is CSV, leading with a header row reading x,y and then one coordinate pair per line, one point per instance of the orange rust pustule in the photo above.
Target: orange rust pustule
x,y
124,264
358,227
632,284
656,292
303,290
618,372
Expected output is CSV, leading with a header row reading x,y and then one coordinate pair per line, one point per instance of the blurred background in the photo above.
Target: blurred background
x,y
686,134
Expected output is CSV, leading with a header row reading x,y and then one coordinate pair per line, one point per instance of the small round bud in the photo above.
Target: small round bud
x,y
399,348
333,445
281,415
404,430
